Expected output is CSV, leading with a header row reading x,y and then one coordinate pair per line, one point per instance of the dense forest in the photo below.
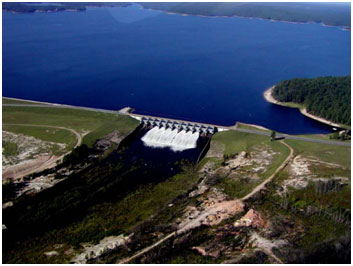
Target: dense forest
x,y
54,7
327,97
327,13
334,14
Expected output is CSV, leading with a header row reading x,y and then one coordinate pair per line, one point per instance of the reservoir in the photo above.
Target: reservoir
x,y
203,69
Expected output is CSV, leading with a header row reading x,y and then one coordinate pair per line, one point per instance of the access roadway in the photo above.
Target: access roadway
x,y
135,115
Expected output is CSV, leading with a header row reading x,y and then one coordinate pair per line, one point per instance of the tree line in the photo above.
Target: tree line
x,y
327,97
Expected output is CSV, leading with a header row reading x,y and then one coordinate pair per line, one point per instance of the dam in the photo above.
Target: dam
x,y
176,135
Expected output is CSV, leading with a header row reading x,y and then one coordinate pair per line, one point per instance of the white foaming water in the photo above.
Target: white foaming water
x,y
162,138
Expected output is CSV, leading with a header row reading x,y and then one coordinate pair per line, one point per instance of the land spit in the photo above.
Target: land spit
x,y
268,96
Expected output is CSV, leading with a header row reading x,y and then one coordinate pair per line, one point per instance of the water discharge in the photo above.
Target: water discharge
x,y
171,138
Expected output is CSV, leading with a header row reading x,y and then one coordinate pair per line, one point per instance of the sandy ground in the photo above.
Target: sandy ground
x,y
322,120
268,96
264,183
39,164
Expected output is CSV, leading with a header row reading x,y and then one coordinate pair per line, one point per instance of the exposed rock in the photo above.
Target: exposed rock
x,y
104,143
207,167
57,246
238,161
251,219
301,175
30,153
51,253
267,245
201,188
105,245
202,251
210,212
69,251
223,171
7,204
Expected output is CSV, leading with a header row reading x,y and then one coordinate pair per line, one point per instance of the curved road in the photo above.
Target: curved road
x,y
269,179
52,159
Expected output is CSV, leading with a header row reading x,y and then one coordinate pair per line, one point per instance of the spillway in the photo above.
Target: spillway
x,y
176,141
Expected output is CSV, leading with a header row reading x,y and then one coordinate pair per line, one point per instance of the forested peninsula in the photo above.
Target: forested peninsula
x,y
326,97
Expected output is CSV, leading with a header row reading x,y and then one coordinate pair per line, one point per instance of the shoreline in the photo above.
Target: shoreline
x,y
269,98
342,27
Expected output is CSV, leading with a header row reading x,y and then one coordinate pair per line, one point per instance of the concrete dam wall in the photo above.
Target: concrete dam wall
x,y
176,135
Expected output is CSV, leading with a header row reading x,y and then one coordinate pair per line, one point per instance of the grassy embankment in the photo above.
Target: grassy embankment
x,y
94,124
58,136
236,142
248,126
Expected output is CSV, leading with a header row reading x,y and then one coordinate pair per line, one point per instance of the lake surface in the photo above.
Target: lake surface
x,y
195,68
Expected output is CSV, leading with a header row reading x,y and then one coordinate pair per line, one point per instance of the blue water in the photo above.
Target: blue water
x,y
194,68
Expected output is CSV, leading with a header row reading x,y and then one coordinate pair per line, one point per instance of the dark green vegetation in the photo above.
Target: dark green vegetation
x,y
54,7
309,221
87,207
330,14
96,124
9,148
327,97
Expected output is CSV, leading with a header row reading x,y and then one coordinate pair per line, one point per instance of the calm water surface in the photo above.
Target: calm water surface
x,y
194,68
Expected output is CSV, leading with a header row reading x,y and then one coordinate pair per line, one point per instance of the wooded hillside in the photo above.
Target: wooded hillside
x,y
327,97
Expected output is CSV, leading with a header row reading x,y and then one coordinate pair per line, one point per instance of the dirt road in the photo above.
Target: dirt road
x,y
51,161
263,184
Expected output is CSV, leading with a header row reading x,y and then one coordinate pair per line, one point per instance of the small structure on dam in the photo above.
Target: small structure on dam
x,y
174,134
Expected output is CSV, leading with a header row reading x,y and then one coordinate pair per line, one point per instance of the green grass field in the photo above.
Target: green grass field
x,y
245,126
9,148
96,124
235,142
328,153
45,134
